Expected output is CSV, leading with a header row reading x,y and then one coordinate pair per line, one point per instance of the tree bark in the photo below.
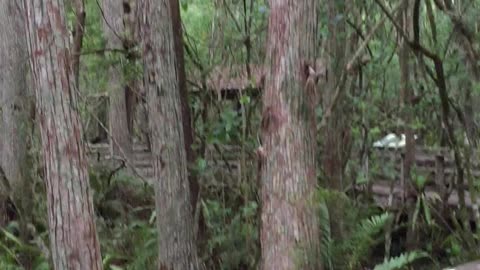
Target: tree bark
x,y
189,132
187,125
406,94
332,160
114,32
337,131
13,102
72,231
14,122
79,10
133,90
289,233
177,249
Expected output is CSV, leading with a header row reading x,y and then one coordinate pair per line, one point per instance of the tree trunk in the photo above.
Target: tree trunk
x,y
73,237
406,95
134,85
189,132
336,132
79,30
13,102
177,249
187,125
289,231
14,122
114,31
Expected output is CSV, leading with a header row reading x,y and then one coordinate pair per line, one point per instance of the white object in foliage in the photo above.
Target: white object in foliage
x,y
392,141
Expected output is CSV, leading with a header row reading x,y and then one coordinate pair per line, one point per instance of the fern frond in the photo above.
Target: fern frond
x,y
326,250
374,224
362,241
401,261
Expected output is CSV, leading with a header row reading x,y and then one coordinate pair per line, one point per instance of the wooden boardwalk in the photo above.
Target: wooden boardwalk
x,y
387,189
436,165
140,163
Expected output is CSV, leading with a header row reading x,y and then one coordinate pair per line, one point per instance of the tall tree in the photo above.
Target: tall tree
x,y
72,231
288,174
177,249
336,134
115,35
14,120
187,125
13,94
406,94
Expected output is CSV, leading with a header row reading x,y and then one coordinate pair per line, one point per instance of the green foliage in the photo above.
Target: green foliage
x,y
215,36
358,246
125,206
233,235
401,261
361,237
327,241
13,249
93,63
227,129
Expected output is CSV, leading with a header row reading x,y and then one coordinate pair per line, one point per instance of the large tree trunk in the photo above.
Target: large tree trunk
x,y
14,121
114,32
177,249
73,237
13,102
289,232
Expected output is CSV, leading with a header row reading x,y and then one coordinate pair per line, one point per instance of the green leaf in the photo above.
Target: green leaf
x,y
245,100
426,210
43,266
201,164
401,261
184,5
416,213
13,238
361,179
420,181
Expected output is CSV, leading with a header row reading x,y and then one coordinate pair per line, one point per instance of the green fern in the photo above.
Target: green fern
x,y
374,224
361,242
401,261
326,250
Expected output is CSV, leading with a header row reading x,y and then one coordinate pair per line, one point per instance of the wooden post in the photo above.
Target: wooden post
x,y
440,175
402,176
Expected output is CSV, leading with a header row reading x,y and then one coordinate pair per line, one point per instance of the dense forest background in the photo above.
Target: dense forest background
x,y
192,91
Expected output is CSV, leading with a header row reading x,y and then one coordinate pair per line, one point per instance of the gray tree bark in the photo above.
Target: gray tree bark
x,y
114,32
14,121
73,238
177,249
13,94
289,231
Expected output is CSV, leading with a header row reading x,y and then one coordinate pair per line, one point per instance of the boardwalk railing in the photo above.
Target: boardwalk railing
x,y
436,165
387,186
140,162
